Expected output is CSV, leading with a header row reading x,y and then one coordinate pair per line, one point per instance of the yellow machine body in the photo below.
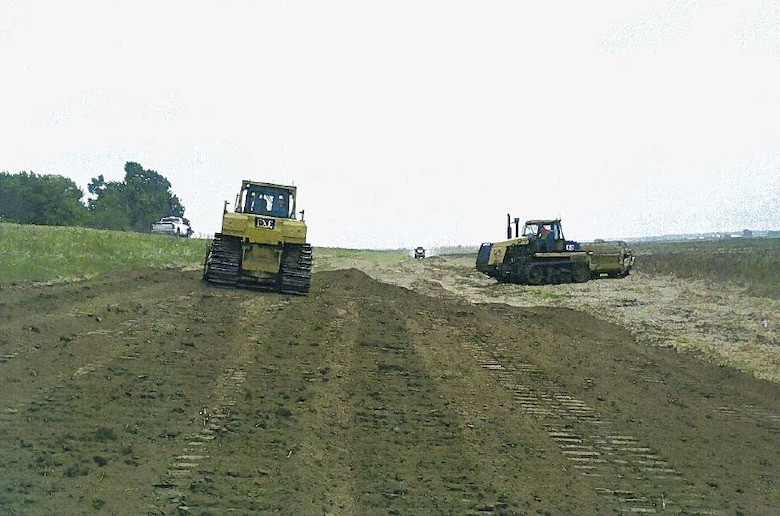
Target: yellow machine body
x,y
541,254
262,242
262,246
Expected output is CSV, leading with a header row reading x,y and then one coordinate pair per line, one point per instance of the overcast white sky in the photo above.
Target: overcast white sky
x,y
419,122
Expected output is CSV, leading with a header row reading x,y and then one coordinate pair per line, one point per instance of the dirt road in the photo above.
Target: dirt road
x,y
390,391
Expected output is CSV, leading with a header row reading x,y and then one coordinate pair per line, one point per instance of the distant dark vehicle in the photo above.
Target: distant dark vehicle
x,y
419,252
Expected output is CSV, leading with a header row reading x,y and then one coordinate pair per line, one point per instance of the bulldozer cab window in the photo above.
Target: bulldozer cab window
x,y
268,202
281,205
256,202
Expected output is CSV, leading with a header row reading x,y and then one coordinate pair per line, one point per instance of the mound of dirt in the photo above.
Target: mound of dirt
x,y
725,325
153,393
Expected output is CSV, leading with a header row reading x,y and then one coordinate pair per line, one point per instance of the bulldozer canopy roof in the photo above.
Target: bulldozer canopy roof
x,y
245,184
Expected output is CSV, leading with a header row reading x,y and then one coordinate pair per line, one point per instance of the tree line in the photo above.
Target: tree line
x,y
130,205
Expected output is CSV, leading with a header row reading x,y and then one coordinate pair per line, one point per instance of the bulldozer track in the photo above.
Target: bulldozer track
x,y
223,266
634,476
296,270
223,261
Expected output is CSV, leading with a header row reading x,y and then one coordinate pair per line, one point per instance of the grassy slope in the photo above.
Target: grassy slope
x,y
43,253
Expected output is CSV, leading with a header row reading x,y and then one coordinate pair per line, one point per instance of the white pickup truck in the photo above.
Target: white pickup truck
x,y
172,226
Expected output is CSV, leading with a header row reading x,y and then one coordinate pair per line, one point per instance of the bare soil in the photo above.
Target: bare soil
x,y
416,387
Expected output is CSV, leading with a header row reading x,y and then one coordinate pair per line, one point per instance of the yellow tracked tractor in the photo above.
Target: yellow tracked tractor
x,y
540,254
262,244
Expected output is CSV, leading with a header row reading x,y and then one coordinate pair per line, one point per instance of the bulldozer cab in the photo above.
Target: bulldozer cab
x,y
266,199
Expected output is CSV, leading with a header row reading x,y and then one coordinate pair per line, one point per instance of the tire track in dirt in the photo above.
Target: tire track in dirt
x,y
448,278
404,438
327,440
471,452
195,449
252,452
752,415
634,475
50,339
105,313
344,416
106,401
258,456
630,472
745,413
393,401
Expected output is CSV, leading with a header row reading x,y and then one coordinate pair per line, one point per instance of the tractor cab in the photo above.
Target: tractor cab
x,y
543,228
546,236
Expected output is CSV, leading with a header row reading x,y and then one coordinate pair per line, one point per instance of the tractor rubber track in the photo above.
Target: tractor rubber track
x,y
223,261
296,270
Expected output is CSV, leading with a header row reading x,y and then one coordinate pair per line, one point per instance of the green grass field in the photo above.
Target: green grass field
x,y
42,253
750,263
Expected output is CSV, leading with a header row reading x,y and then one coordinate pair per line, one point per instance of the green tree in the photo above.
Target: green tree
x,y
148,197
108,207
54,200
134,204
11,200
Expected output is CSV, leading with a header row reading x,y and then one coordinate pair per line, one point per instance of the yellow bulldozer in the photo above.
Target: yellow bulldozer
x,y
262,243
